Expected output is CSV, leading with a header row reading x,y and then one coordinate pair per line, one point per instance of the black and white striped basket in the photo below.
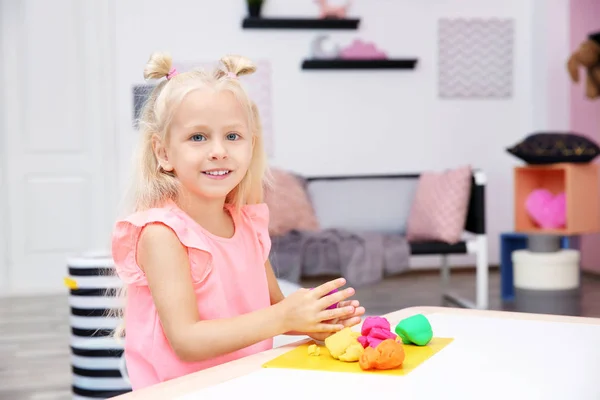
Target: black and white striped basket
x,y
97,360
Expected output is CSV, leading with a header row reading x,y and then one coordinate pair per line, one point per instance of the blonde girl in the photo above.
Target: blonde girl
x,y
193,255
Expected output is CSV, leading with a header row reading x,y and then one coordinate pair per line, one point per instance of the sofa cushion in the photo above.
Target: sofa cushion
x,y
289,204
363,204
440,206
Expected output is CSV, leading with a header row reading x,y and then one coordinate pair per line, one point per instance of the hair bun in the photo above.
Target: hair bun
x,y
158,66
238,65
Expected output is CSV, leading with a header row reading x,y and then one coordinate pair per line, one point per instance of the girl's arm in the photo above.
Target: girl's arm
x,y
166,265
275,292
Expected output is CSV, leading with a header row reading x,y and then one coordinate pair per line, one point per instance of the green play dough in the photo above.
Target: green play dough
x,y
415,330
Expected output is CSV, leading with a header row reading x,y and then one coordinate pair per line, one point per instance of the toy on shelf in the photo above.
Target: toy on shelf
x,y
548,211
327,10
362,50
319,52
357,50
587,56
415,330
575,184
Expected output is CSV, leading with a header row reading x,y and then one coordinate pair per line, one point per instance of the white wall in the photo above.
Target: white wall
x,y
393,122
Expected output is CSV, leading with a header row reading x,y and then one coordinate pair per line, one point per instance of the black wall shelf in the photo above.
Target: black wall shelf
x,y
403,63
300,23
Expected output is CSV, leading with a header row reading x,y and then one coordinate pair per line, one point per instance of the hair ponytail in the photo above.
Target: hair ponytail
x,y
236,65
158,66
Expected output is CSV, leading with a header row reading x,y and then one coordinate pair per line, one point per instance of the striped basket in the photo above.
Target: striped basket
x,y
97,358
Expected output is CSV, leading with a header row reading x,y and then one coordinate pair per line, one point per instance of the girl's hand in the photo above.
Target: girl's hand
x,y
306,310
348,321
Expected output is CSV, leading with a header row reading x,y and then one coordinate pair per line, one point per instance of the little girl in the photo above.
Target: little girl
x,y
194,253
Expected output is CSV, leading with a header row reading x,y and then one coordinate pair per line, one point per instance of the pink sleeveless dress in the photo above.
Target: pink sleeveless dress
x,y
229,279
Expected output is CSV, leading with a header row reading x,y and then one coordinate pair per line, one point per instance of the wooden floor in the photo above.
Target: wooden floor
x,y
34,332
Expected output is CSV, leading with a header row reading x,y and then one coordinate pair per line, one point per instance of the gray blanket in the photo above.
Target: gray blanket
x,y
361,257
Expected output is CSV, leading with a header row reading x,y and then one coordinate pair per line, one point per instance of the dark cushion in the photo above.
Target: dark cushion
x,y
550,148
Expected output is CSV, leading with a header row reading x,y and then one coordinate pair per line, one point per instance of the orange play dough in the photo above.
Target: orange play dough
x,y
388,354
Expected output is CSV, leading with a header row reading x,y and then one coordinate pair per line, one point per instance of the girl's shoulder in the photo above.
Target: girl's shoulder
x,y
127,232
256,216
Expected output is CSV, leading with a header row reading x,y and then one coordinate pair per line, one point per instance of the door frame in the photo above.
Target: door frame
x,y
4,261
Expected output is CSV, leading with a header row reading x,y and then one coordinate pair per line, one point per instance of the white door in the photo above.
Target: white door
x,y
58,136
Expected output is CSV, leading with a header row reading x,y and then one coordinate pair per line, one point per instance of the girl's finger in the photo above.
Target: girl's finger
x,y
350,322
341,312
345,303
328,287
359,311
334,298
329,327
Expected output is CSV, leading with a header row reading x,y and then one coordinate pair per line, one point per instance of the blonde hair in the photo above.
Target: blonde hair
x,y
151,186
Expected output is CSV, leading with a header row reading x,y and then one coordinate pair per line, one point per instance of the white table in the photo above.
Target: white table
x,y
494,355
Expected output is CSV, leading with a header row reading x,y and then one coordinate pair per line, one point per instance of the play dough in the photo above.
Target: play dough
x,y
388,354
374,331
374,322
415,330
344,346
314,350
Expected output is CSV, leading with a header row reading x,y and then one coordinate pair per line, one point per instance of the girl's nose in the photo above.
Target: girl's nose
x,y
218,151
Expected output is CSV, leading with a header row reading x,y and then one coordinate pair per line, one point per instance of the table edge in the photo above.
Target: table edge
x,y
234,369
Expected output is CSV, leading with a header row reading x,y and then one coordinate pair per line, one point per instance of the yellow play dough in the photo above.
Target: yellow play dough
x,y
314,350
353,353
344,345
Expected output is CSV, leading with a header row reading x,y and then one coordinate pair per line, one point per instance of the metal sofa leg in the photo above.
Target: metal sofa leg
x,y
444,276
481,278
482,273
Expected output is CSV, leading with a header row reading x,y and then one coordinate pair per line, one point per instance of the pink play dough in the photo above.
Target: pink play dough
x,y
374,322
374,331
547,210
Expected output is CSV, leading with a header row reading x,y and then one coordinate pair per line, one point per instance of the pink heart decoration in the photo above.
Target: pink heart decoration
x,y
546,210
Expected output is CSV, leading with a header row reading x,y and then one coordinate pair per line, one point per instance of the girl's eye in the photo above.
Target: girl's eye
x,y
233,136
197,138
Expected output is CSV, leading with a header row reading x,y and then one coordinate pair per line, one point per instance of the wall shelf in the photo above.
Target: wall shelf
x,y
403,63
300,23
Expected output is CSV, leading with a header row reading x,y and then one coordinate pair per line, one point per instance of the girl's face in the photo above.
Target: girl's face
x,y
210,144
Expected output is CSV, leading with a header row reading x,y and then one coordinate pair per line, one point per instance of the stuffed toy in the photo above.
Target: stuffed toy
x,y
587,56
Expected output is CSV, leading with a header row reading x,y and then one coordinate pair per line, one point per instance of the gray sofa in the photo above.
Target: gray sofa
x,y
367,205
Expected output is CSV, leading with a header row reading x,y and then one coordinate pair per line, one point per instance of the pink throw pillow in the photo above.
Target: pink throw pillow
x,y
290,207
440,206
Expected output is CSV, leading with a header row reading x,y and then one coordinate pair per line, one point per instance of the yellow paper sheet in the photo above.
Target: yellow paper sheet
x,y
298,358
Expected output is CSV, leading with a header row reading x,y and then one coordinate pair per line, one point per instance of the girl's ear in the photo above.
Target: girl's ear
x,y
160,152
